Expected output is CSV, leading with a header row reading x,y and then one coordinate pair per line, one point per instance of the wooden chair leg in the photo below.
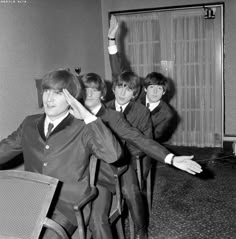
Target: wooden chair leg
x,y
119,228
88,234
131,227
149,192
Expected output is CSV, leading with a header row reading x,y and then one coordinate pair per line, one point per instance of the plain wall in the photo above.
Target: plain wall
x,y
229,113
38,36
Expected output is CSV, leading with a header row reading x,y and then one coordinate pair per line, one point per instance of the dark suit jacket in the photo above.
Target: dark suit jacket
x,y
64,155
162,117
128,134
138,116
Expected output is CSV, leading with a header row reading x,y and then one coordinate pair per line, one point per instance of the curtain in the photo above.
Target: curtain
x,y
194,72
181,45
141,44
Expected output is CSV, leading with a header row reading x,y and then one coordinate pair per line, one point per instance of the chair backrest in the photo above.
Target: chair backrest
x,y
25,199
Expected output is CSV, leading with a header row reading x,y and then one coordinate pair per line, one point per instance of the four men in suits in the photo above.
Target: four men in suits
x,y
67,128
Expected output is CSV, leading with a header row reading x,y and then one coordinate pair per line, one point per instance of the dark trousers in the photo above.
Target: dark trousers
x,y
99,224
63,221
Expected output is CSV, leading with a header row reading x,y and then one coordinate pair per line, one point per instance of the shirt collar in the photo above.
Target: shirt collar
x,y
117,105
55,122
96,109
152,106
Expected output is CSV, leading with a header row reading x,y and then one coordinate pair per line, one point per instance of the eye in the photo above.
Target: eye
x,y
95,90
58,92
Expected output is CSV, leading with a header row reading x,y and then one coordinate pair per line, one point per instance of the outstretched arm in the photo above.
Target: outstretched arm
x,y
133,136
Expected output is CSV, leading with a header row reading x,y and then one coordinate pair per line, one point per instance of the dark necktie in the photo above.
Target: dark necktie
x,y
148,105
50,127
121,110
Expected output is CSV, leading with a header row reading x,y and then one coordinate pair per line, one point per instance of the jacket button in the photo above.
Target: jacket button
x,y
45,164
47,146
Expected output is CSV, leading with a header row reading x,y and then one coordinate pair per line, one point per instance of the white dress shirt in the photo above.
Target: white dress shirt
x,y
54,122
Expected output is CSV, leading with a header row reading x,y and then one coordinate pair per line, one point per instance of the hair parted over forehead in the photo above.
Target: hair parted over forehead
x,y
128,79
155,78
93,80
62,79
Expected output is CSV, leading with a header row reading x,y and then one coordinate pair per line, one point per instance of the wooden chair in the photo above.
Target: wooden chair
x,y
82,222
148,182
25,199
117,200
117,204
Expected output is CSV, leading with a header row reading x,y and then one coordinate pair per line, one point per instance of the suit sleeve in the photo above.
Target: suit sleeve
x,y
117,65
134,137
102,142
11,146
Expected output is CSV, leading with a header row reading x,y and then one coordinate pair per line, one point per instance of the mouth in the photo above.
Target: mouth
x,y
50,106
121,99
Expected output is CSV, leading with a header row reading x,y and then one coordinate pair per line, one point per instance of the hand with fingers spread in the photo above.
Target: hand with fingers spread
x,y
186,163
114,25
77,109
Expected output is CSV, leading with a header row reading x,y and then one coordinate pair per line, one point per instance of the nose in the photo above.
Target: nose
x,y
123,90
155,90
89,92
50,95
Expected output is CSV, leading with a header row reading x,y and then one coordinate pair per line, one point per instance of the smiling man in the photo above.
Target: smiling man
x,y
63,149
155,87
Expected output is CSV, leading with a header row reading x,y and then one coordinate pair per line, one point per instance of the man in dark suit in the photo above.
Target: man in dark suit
x,y
155,87
64,151
95,91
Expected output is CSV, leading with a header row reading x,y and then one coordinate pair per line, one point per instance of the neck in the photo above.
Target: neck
x,y
94,109
61,116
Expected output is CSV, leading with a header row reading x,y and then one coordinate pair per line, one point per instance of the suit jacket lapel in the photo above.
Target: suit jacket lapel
x,y
41,126
65,122
157,108
128,108
101,111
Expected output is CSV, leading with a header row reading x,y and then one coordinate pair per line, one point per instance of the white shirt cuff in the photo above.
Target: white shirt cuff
x,y
90,119
112,49
168,158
